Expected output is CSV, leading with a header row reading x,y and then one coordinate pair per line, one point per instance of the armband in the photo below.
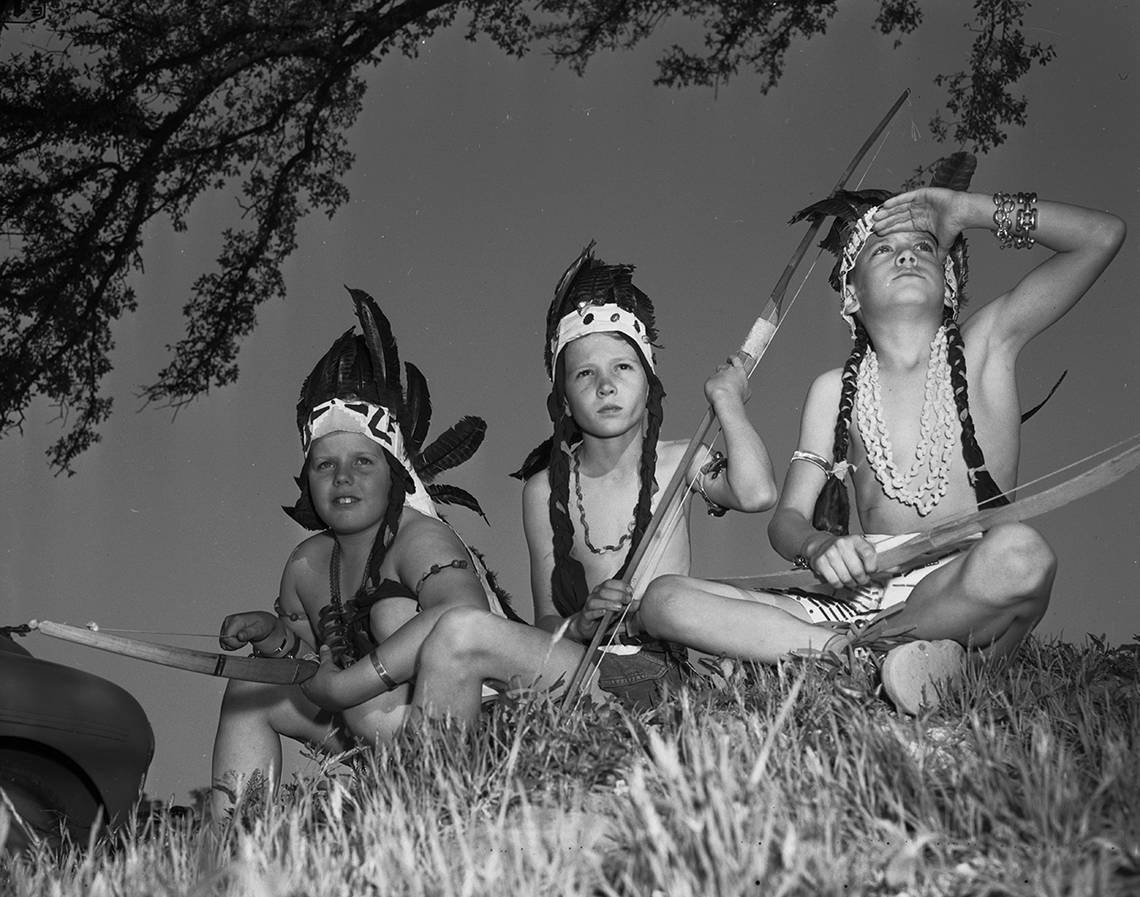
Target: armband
x,y
291,617
457,564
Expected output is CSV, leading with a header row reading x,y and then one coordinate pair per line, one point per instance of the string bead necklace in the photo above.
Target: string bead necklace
x,y
605,549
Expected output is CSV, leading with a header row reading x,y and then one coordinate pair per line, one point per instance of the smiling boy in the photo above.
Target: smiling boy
x,y
918,398
370,585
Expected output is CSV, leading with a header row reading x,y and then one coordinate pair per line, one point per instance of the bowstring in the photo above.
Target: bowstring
x,y
676,514
669,524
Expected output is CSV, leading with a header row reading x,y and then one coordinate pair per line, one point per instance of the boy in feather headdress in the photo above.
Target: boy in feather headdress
x,y
370,585
918,399
589,493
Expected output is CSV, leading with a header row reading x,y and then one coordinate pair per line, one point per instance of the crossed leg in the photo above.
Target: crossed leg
x,y
468,646
989,598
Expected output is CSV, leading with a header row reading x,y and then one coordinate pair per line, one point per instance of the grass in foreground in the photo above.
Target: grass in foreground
x,y
778,783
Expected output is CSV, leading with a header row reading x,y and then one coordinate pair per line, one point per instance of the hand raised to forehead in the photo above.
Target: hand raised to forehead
x,y
932,210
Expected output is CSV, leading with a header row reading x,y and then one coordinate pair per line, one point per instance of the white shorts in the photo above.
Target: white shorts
x,y
848,604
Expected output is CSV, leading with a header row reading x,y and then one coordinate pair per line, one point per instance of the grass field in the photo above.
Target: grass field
x,y
797,781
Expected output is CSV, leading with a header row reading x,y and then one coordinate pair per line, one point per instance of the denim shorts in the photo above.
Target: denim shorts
x,y
642,680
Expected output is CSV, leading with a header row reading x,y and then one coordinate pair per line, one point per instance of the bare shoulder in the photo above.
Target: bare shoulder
x,y
669,455
826,387
536,489
419,532
312,552
817,420
306,574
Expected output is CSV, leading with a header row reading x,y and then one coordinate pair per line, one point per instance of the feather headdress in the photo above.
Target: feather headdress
x,y
360,385
853,211
592,297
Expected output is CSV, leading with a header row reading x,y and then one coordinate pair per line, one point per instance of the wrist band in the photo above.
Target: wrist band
x,y
1013,230
382,671
712,470
276,652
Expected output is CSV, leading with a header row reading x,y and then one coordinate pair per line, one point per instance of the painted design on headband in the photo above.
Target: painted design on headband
x,y
376,423
609,318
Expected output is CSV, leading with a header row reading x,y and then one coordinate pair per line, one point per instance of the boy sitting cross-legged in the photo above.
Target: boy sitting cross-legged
x,y
589,493
918,399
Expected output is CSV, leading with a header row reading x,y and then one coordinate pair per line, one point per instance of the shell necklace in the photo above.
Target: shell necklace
x,y
937,428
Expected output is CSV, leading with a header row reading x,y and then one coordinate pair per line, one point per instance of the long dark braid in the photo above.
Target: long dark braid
x,y
642,513
832,512
568,578
986,491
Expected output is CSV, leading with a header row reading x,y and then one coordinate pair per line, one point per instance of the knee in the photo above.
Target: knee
x,y
661,602
1017,562
242,698
456,638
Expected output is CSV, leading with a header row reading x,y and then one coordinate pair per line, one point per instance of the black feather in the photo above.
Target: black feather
x,y
322,383
1032,411
955,171
565,283
453,495
847,206
451,448
417,408
538,459
379,340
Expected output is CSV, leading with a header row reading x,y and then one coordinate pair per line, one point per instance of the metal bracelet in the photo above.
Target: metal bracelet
x,y
382,671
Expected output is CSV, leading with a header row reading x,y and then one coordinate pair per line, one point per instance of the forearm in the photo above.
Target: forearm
x,y
792,534
1058,226
749,483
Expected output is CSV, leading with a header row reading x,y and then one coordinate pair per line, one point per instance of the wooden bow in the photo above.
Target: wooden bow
x,y
755,345
277,671
953,534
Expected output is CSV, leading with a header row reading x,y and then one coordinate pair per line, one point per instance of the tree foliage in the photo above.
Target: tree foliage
x,y
126,112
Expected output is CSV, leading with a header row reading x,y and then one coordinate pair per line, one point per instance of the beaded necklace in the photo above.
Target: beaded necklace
x,y
605,549
937,429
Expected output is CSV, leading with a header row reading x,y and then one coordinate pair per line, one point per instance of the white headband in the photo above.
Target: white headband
x,y
376,423
609,318
860,234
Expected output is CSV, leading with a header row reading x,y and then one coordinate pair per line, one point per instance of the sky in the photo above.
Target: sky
x,y
478,178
